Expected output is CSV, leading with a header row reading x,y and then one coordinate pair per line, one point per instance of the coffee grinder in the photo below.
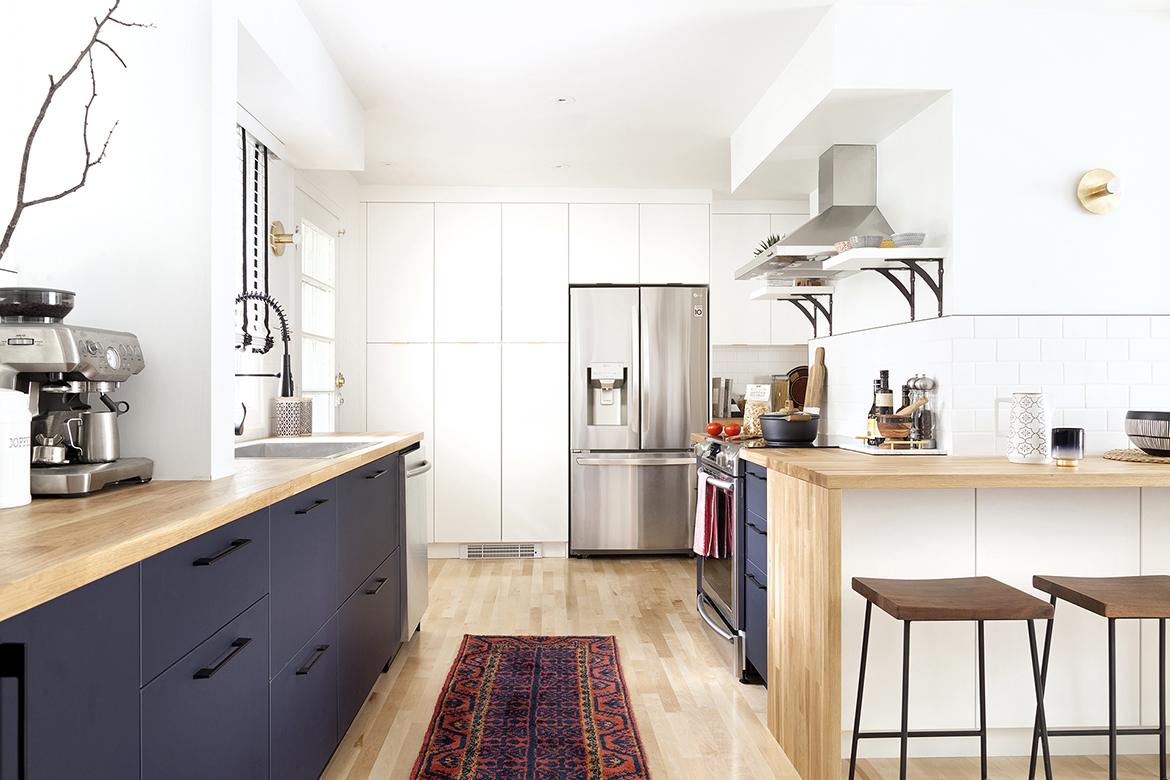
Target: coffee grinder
x,y
75,448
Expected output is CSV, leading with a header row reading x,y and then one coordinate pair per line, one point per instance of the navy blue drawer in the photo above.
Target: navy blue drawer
x,y
369,629
191,591
368,501
756,618
756,542
304,569
755,485
303,706
207,716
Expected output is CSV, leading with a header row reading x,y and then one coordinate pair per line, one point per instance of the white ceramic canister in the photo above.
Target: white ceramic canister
x,y
1029,431
15,422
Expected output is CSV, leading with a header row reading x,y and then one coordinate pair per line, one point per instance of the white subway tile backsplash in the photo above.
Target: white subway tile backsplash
x,y
1149,349
1040,328
997,373
1089,419
963,421
1107,349
973,443
1084,327
1130,373
1137,327
962,327
973,397
1041,373
1160,373
1107,396
1066,396
1086,373
1018,350
962,374
973,350
1150,397
995,327
1117,419
1160,327
1103,441
1062,350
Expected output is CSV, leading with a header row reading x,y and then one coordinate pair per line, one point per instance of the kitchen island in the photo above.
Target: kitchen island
x,y
835,514
144,624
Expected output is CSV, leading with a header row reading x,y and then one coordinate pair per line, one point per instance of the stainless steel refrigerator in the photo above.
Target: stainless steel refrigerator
x,y
638,388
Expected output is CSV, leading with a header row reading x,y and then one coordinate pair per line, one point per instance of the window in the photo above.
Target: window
x,y
318,303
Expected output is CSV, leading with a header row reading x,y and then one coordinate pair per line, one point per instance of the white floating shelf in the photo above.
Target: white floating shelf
x,y
777,293
859,259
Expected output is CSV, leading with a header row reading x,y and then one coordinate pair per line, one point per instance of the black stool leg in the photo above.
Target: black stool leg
x,y
905,698
861,689
1112,698
1041,720
1043,683
1162,697
982,708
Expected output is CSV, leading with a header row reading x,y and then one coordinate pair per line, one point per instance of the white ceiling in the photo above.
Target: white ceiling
x,y
459,93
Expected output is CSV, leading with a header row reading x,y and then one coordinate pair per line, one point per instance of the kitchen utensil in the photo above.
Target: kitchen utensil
x,y
893,426
714,429
797,385
870,241
909,410
780,391
908,239
816,383
1029,428
778,428
1068,446
98,437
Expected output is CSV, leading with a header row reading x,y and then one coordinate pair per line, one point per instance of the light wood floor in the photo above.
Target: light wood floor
x,y
696,721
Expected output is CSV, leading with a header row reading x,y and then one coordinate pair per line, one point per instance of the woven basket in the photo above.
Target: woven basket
x,y
1134,456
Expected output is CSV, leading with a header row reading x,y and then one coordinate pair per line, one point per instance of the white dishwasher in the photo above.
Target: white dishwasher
x,y
418,480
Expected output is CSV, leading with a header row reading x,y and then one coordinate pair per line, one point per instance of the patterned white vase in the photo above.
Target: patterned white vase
x,y
1029,431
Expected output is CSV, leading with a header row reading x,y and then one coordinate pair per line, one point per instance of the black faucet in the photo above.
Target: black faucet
x,y
286,378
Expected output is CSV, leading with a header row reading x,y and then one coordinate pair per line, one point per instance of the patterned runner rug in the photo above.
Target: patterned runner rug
x,y
533,708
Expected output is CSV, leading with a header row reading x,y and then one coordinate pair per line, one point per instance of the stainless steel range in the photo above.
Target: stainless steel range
x,y
720,580
75,447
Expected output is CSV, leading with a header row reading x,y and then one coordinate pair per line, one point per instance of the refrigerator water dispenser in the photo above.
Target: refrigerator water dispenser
x,y
607,397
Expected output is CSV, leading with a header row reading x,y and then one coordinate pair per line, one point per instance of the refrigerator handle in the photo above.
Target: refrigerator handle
x,y
644,376
635,397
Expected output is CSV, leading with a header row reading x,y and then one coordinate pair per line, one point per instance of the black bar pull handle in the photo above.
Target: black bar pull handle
x,y
13,664
374,592
237,544
755,528
316,504
756,582
219,663
320,651
376,474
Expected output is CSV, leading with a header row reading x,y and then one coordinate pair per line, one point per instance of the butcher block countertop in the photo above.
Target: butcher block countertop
x,y
843,469
55,545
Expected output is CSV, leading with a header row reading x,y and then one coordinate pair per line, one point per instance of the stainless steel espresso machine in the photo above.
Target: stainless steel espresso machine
x,y
65,370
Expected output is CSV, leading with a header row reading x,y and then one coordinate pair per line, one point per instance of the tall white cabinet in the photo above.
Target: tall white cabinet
x,y
467,272
400,272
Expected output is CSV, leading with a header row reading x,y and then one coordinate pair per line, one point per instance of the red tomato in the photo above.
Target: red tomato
x,y
732,430
714,429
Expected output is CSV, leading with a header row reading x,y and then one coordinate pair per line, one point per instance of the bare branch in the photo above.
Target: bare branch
x,y
54,85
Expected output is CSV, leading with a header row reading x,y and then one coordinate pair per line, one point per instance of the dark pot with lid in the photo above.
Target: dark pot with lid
x,y
778,429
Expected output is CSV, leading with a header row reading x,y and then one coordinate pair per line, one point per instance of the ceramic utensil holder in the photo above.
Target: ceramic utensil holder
x,y
1029,431
294,416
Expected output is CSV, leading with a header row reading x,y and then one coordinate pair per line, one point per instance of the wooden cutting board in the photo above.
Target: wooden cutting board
x,y
816,383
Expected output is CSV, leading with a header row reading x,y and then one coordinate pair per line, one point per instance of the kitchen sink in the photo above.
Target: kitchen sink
x,y
302,448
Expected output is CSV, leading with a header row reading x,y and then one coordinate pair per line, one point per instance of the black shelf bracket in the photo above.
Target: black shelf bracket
x,y
811,311
916,271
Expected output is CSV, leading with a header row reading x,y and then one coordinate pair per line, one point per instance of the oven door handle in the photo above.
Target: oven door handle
x,y
730,637
719,483
635,461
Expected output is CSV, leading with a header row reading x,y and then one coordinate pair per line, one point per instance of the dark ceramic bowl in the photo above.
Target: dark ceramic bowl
x,y
1149,432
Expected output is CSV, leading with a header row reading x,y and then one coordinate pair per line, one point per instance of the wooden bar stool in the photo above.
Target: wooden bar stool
x,y
1113,598
965,598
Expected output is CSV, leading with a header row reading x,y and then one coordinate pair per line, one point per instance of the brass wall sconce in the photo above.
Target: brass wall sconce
x,y
1099,191
277,238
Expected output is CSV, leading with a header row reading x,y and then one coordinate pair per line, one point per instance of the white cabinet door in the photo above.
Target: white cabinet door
x,y
536,272
467,442
400,390
603,243
467,272
400,269
675,243
789,326
536,443
735,317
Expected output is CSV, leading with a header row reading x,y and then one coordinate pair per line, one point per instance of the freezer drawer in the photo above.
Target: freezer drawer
x,y
631,502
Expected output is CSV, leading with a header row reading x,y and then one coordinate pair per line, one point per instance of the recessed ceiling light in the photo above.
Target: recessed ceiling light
x,y
558,166
563,100
388,164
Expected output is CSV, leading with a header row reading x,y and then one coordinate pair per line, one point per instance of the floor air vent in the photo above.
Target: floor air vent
x,y
476,552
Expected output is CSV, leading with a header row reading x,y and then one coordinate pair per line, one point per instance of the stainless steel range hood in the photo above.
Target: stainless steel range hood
x,y
848,207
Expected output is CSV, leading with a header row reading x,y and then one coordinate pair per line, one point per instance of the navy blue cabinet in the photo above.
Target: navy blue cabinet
x,y
303,706
189,592
80,659
756,622
754,533
304,569
369,625
367,520
207,716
